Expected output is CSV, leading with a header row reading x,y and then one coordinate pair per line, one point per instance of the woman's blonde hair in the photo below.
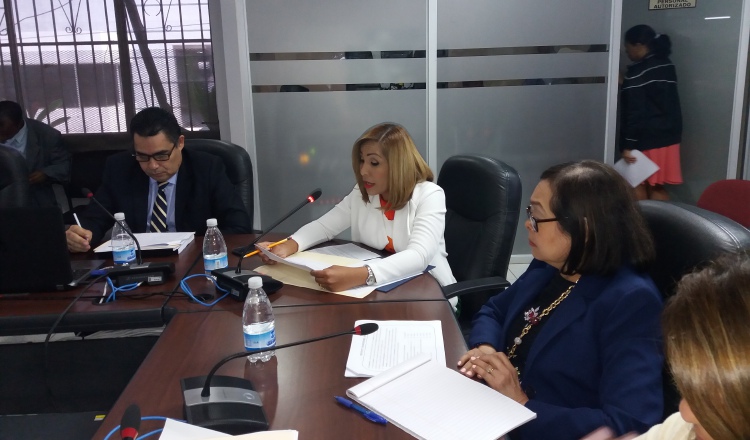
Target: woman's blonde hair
x,y
406,167
707,335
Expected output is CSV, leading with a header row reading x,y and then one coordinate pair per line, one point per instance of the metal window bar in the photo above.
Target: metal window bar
x,y
181,67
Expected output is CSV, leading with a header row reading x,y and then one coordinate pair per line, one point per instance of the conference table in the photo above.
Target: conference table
x,y
36,312
297,385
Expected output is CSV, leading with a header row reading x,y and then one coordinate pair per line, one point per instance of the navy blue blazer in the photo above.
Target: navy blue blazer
x,y
598,359
203,191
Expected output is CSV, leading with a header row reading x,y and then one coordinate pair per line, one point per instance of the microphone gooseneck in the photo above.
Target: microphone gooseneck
x,y
86,192
362,330
315,195
131,423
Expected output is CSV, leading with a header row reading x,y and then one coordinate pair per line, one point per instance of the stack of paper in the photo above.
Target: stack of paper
x,y
295,270
430,401
157,241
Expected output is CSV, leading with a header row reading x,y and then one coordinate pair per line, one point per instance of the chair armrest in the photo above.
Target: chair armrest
x,y
477,285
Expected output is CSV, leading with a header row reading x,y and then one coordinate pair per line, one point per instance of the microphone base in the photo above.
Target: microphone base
x,y
146,273
232,408
236,283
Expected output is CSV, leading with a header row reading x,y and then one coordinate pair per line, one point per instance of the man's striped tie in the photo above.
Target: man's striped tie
x,y
159,213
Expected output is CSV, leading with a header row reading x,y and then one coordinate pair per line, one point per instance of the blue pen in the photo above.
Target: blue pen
x,y
369,415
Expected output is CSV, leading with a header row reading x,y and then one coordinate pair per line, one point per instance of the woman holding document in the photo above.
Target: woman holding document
x,y
651,120
576,338
394,207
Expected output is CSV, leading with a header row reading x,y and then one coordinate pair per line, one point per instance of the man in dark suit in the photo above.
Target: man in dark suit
x,y
192,185
47,158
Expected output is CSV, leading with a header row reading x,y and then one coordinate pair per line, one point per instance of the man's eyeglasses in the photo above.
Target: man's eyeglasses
x,y
159,157
535,221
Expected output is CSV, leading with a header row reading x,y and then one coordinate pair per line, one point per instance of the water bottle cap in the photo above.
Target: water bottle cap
x,y
255,283
211,222
120,216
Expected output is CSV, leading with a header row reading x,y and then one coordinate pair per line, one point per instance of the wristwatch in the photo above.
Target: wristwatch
x,y
370,277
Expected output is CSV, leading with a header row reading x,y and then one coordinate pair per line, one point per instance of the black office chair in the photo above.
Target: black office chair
x,y
85,172
687,237
14,180
237,162
483,200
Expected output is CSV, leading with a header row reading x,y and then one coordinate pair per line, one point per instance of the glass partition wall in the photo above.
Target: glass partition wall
x,y
525,82
322,73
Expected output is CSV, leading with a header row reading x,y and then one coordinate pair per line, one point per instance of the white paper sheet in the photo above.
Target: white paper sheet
x,y
394,343
349,250
636,173
418,396
156,240
174,430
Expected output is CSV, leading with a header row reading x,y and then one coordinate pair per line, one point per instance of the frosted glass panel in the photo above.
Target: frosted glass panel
x,y
512,23
336,25
533,91
348,55
408,70
305,141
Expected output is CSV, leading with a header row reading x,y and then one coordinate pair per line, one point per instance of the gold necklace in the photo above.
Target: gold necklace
x,y
536,319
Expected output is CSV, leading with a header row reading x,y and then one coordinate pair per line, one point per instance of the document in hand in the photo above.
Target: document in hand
x,y
394,343
432,402
636,173
295,270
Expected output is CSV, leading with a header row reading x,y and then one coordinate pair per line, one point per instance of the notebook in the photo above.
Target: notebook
x,y
34,255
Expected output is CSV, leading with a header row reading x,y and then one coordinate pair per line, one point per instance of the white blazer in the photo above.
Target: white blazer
x,y
417,234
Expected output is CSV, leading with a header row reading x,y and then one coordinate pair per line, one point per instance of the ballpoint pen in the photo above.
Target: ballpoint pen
x,y
369,415
255,252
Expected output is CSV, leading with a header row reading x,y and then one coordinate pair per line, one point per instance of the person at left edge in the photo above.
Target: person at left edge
x,y
198,186
46,155
395,206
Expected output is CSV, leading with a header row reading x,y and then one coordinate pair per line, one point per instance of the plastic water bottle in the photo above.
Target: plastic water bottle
x,y
214,248
123,247
258,323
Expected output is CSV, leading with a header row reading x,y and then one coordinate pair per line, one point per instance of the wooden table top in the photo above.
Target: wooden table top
x,y
297,386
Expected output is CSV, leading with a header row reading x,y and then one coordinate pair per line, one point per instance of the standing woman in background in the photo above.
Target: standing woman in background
x,y
651,120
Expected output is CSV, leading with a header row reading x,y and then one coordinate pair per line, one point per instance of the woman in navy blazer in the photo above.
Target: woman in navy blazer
x,y
576,338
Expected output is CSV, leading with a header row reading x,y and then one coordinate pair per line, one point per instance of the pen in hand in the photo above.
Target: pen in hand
x,y
369,415
256,252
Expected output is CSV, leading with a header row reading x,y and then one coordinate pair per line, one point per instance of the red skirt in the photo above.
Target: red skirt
x,y
668,160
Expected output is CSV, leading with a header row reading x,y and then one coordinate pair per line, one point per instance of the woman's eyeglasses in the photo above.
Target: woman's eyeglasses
x,y
159,157
535,221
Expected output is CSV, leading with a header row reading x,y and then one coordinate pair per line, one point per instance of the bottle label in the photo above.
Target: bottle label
x,y
210,264
259,341
123,256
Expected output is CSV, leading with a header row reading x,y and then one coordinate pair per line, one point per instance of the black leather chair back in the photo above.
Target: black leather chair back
x,y
687,237
14,179
237,162
483,198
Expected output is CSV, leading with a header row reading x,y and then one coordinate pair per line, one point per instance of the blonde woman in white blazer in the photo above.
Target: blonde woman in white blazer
x,y
394,207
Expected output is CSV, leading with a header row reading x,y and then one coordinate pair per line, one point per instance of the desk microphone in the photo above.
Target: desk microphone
x,y
131,423
232,405
235,280
147,273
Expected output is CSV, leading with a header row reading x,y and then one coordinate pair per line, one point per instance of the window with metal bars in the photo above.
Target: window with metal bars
x,y
87,66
